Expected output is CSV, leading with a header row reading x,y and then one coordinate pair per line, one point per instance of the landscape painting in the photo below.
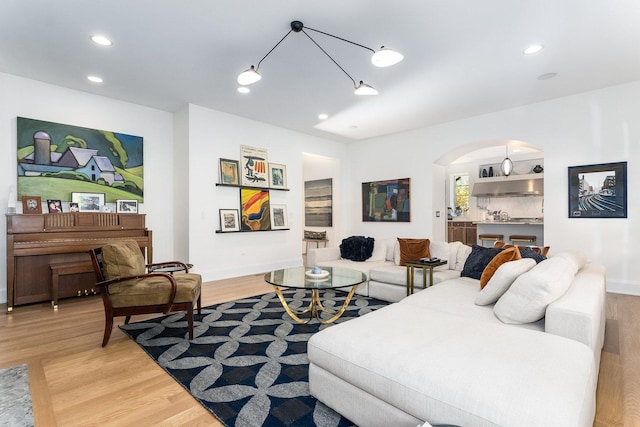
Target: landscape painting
x,y
598,191
55,160
318,209
386,201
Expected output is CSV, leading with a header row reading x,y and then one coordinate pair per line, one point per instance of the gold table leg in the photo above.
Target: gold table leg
x,y
315,307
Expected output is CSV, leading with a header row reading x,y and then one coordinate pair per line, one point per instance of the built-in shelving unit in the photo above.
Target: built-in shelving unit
x,y
520,167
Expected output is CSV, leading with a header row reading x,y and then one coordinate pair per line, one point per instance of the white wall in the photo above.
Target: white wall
x,y
213,135
36,100
595,127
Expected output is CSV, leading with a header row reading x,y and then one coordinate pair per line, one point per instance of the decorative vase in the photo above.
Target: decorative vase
x,y
484,173
538,169
490,170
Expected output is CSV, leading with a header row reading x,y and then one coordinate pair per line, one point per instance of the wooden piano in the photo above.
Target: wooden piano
x,y
35,243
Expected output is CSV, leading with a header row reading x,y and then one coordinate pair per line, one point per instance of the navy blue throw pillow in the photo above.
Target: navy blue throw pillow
x,y
357,248
527,252
478,260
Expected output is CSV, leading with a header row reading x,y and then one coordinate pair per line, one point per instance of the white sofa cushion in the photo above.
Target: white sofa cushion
x,y
502,279
576,257
528,297
462,254
445,369
379,251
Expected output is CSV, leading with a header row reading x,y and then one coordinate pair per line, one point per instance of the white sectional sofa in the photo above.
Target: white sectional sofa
x,y
438,357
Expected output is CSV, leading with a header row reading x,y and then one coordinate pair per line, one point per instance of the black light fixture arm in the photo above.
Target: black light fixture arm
x,y
273,48
325,52
335,37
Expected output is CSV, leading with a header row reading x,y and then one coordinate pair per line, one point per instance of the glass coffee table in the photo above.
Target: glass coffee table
x,y
302,278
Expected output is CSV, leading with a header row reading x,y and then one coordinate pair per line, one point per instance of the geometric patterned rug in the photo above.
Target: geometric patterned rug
x,y
247,363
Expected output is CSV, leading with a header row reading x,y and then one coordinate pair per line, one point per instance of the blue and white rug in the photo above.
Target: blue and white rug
x,y
15,397
247,363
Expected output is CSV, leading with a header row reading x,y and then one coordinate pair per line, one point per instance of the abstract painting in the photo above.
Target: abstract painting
x,y
318,203
55,160
386,201
254,209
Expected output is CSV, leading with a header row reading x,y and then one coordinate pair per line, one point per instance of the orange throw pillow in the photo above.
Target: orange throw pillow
x,y
413,249
506,255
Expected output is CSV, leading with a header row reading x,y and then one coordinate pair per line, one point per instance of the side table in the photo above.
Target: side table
x,y
424,265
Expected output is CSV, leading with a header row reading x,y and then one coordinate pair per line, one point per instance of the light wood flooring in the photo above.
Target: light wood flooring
x,y
76,382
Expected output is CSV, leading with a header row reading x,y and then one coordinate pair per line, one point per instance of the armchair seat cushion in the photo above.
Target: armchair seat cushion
x,y
155,290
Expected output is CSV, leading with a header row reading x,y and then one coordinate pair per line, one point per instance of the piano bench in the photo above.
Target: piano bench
x,y
63,269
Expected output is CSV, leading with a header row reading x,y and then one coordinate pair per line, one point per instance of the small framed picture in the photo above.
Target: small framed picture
x,y
277,175
55,206
31,205
73,207
279,219
88,202
229,220
229,172
127,206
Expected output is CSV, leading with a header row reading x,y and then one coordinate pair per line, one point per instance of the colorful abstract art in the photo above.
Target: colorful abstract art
x,y
254,209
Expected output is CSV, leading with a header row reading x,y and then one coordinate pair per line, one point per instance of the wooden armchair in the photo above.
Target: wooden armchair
x,y
127,288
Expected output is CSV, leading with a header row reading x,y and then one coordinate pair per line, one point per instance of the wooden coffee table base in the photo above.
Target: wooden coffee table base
x,y
315,307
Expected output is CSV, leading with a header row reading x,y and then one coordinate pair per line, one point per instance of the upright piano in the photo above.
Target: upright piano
x,y
35,242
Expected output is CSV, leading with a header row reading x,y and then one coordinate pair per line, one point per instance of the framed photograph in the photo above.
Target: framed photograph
x,y
88,202
254,166
277,175
229,220
31,205
127,206
598,191
318,201
229,172
386,201
73,207
279,219
54,206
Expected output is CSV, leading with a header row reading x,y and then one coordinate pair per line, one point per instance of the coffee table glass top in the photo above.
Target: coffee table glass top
x,y
296,277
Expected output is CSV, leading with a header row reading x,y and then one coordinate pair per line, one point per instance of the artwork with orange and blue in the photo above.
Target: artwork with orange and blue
x,y
254,206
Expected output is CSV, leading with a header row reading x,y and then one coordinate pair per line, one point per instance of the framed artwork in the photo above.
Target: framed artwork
x,y
127,206
386,201
88,202
318,210
54,206
229,172
73,207
277,175
31,205
58,159
279,219
229,220
254,166
598,191
254,210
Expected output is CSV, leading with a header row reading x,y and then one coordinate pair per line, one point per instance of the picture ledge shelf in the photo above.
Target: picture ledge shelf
x,y
249,231
248,186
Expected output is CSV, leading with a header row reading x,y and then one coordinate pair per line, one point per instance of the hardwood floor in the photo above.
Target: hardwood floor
x,y
76,382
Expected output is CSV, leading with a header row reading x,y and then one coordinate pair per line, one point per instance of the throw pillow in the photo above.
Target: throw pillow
x,y
527,299
506,255
122,259
477,260
413,249
356,248
503,278
527,252
379,251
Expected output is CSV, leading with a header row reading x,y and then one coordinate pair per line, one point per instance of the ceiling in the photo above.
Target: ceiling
x,y
462,58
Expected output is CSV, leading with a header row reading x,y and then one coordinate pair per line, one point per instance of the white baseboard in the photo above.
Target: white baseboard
x,y
629,287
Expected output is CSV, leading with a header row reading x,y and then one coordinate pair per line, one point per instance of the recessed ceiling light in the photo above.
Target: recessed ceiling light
x,y
323,116
244,89
95,79
547,76
533,49
101,40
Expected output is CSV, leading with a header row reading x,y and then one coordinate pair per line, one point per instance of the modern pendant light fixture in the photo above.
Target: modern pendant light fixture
x,y
381,58
507,165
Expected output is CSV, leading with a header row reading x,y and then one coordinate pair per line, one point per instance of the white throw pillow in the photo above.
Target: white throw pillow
x,y
379,251
439,249
396,253
527,299
461,256
576,257
502,279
